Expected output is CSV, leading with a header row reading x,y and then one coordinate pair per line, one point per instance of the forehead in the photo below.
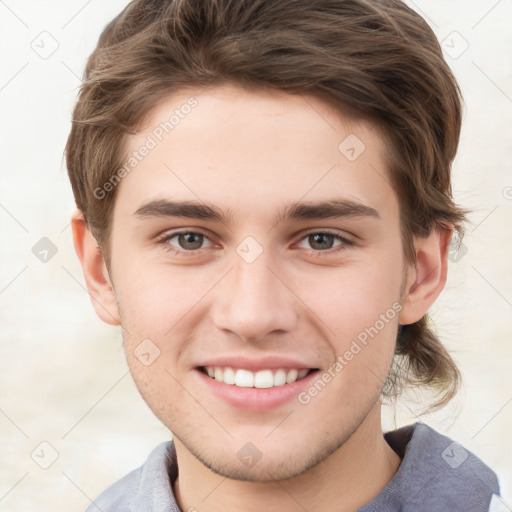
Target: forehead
x,y
253,150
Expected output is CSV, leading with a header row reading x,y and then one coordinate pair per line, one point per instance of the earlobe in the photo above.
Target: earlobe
x,y
428,276
95,271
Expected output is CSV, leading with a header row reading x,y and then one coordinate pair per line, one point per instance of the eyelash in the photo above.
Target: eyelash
x,y
180,252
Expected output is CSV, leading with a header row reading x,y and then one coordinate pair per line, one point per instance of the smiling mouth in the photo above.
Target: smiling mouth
x,y
261,379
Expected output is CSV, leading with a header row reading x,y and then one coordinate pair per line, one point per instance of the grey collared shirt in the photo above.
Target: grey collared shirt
x,y
435,475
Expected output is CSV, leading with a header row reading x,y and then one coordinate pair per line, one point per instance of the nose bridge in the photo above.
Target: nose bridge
x,y
253,301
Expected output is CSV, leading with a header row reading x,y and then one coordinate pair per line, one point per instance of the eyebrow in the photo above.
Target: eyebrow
x,y
335,208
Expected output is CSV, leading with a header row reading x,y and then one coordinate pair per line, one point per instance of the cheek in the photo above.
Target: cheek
x,y
152,301
359,308
353,298
156,384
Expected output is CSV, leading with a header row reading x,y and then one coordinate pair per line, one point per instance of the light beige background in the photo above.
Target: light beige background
x,y
64,380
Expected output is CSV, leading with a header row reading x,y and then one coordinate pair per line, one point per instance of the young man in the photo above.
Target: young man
x,y
264,206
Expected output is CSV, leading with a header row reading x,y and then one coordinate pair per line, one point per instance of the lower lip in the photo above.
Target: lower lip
x,y
256,399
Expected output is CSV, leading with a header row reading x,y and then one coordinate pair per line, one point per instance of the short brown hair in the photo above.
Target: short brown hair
x,y
377,58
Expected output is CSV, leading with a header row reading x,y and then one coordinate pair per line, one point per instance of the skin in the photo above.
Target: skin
x,y
252,152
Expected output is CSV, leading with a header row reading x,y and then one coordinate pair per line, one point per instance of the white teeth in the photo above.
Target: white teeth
x,y
302,373
291,376
244,379
280,378
261,379
219,374
229,376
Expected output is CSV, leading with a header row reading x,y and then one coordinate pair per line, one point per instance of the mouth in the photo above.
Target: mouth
x,y
255,384
261,379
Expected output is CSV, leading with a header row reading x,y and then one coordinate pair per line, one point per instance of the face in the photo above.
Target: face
x,y
257,266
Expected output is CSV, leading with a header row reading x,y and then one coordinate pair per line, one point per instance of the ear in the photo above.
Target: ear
x,y
427,277
96,274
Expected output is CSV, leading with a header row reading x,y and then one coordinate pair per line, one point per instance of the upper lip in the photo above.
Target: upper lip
x,y
269,362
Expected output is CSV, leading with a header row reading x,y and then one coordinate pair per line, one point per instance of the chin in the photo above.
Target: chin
x,y
263,471
271,463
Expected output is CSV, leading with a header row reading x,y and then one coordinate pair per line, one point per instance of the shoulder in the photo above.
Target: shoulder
x,y
119,495
436,473
144,488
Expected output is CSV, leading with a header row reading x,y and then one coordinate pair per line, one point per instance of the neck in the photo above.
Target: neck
x,y
350,477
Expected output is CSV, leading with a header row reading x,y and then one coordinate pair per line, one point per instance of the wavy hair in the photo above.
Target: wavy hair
x,y
377,59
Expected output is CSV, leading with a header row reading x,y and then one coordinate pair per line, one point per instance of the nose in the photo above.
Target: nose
x,y
255,300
